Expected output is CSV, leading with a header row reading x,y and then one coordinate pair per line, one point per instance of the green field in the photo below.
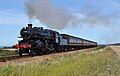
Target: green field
x,y
103,63
6,53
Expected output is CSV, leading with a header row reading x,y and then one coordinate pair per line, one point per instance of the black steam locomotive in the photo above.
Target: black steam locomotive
x,y
36,40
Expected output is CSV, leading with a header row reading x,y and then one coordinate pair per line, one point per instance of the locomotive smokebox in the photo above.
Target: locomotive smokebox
x,y
30,26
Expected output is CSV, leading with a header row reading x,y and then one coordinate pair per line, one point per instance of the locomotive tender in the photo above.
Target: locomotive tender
x,y
36,40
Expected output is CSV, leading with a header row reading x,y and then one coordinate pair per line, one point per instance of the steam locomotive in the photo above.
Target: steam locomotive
x,y
36,40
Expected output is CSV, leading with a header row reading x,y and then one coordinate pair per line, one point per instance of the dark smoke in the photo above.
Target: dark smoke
x,y
48,14
59,18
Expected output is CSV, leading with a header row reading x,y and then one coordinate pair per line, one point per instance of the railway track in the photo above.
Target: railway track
x,y
11,58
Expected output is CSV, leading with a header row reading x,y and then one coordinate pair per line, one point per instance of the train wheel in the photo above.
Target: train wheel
x,y
38,52
20,52
31,52
58,49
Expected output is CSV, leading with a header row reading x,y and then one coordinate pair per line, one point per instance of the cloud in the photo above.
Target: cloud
x,y
93,17
12,17
110,38
116,2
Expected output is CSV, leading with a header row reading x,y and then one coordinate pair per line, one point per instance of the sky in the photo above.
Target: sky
x,y
98,20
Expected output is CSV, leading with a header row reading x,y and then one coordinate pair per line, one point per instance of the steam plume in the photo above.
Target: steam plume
x,y
48,14
59,18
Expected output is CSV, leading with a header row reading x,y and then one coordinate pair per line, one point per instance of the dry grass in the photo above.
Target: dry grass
x,y
104,63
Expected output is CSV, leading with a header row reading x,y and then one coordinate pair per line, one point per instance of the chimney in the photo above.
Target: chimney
x,y
30,26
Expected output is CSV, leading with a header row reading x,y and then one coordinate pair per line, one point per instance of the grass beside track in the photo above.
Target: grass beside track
x,y
99,47
105,63
7,53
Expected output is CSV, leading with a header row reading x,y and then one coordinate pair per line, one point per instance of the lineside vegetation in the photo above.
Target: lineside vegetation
x,y
7,53
103,63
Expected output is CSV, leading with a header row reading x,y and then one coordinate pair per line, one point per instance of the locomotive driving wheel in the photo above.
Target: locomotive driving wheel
x,y
20,52
31,52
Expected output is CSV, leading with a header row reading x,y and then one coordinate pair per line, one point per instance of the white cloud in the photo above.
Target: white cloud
x,y
116,2
12,17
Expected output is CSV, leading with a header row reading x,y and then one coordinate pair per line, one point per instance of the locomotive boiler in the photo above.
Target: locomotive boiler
x,y
36,40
